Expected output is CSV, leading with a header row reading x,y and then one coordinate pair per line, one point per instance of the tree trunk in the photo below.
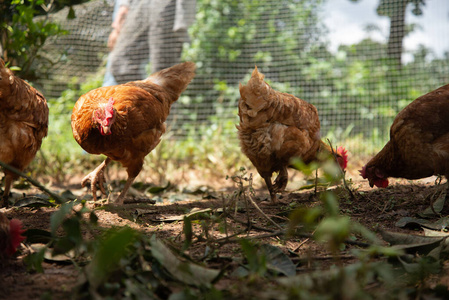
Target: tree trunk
x,y
397,32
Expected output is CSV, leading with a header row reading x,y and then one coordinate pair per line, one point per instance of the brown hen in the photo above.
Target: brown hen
x,y
125,122
419,142
275,127
23,124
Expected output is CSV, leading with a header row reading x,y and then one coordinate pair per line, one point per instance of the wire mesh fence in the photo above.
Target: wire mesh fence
x,y
358,88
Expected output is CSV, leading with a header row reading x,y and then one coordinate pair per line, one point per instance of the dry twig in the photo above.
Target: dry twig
x,y
57,198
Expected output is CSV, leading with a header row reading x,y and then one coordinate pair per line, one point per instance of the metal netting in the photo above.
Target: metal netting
x,y
358,87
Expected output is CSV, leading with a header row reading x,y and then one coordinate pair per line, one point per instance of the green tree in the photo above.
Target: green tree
x,y
24,29
230,37
396,11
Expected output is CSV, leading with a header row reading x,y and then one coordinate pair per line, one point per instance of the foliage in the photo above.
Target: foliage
x,y
22,35
359,89
389,7
122,262
224,35
353,85
116,262
396,11
358,92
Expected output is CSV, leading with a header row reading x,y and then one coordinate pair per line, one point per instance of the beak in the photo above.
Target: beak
x,y
106,130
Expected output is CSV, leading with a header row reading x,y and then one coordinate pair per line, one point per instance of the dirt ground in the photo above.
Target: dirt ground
x,y
377,209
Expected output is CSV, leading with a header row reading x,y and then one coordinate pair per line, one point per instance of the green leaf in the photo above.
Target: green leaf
x,y
112,247
71,15
304,216
307,169
257,264
67,194
344,282
158,189
333,230
58,217
183,271
93,217
35,259
63,245
72,227
330,202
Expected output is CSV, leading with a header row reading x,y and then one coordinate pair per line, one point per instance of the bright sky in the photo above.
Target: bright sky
x,y
347,20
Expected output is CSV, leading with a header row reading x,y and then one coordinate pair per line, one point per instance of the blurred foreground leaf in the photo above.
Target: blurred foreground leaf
x,y
183,271
113,247
277,260
349,282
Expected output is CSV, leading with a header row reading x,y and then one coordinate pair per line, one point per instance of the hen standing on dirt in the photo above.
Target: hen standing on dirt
x,y
275,127
419,142
125,122
23,124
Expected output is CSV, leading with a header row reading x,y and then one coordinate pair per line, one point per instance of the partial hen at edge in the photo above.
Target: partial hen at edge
x,y
23,124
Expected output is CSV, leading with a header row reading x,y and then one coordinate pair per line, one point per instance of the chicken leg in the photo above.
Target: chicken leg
x,y
270,189
279,184
97,176
121,198
281,180
5,197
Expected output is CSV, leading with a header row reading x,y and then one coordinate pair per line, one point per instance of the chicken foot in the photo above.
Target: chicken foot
x,y
281,181
270,189
279,184
97,176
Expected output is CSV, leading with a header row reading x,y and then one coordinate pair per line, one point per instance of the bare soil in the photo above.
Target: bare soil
x,y
377,209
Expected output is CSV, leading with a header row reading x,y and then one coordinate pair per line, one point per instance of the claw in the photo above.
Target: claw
x,y
96,176
281,181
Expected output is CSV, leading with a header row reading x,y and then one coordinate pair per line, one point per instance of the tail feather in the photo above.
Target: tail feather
x,y
174,79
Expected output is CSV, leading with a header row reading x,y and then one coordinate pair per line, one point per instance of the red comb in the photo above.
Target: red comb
x,y
344,155
109,109
15,231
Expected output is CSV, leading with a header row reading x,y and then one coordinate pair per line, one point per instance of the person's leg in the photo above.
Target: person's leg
x,y
131,49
